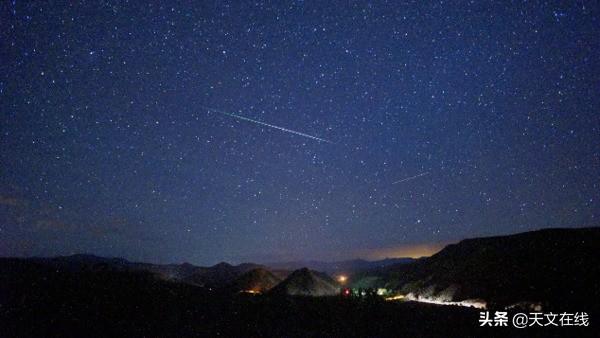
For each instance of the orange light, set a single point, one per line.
(342, 279)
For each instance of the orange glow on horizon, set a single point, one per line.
(410, 250)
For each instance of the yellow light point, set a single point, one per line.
(342, 279)
(397, 297)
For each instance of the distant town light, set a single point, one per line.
(396, 297)
(474, 303)
(342, 279)
(382, 292)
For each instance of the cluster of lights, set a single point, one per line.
(473, 303)
(478, 304)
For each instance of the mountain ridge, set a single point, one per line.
(549, 266)
(306, 282)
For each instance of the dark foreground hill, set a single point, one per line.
(39, 300)
(91, 296)
(555, 268)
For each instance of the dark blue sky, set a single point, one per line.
(106, 146)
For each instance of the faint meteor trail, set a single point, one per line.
(266, 124)
(411, 178)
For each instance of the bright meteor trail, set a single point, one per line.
(268, 125)
(411, 178)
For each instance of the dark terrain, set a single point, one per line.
(257, 280)
(90, 296)
(305, 282)
(557, 268)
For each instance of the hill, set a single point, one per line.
(37, 300)
(549, 267)
(305, 282)
(258, 280)
(218, 275)
(214, 276)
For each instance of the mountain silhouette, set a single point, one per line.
(256, 280)
(218, 275)
(546, 267)
(305, 282)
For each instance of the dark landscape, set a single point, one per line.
(77, 295)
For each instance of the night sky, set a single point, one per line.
(439, 121)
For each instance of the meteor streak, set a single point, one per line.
(243, 118)
(411, 178)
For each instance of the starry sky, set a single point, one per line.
(122, 131)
